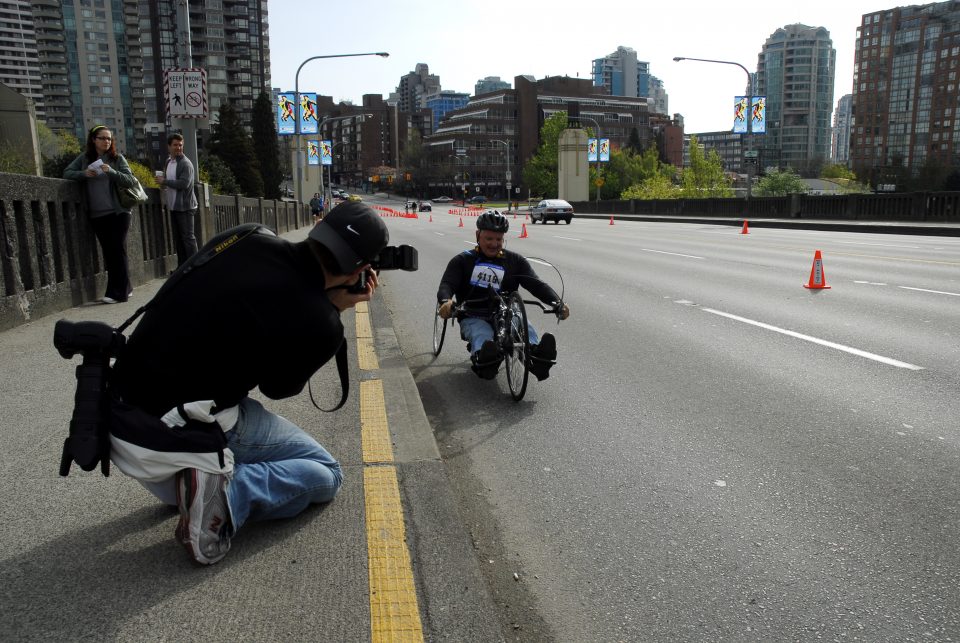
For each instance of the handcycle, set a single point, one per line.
(511, 334)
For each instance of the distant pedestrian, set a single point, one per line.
(180, 198)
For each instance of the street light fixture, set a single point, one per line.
(296, 85)
(746, 143)
(597, 125)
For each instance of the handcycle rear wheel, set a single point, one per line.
(439, 330)
(517, 354)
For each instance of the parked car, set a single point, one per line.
(425, 206)
(477, 199)
(442, 199)
(551, 209)
(354, 197)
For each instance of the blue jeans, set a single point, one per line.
(476, 331)
(279, 470)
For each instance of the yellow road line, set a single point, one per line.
(366, 355)
(394, 611)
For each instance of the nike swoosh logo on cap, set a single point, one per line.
(350, 228)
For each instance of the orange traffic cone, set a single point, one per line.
(611, 219)
(431, 219)
(523, 232)
(746, 228)
(514, 216)
(461, 223)
(818, 280)
(526, 217)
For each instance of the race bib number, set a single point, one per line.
(486, 275)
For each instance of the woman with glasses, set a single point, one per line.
(100, 168)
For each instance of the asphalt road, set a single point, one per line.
(720, 454)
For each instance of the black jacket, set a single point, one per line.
(256, 315)
(469, 274)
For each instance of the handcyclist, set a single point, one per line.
(470, 273)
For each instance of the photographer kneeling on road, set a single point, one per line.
(264, 313)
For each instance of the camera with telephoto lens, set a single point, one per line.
(390, 258)
(89, 441)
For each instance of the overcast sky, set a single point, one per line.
(465, 40)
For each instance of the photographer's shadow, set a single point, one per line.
(89, 583)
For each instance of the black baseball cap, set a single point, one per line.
(353, 233)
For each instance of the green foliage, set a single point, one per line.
(781, 183)
(230, 141)
(57, 149)
(217, 173)
(267, 145)
(143, 174)
(541, 171)
(633, 143)
(704, 178)
(659, 186)
(837, 171)
(14, 160)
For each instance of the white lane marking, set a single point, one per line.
(870, 283)
(440, 234)
(675, 254)
(816, 340)
(567, 238)
(938, 292)
(885, 245)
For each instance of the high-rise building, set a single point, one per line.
(56, 109)
(415, 87)
(19, 58)
(795, 71)
(489, 84)
(840, 148)
(445, 101)
(905, 90)
(623, 75)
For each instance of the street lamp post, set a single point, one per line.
(746, 145)
(296, 85)
(597, 125)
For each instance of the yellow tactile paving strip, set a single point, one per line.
(374, 433)
(366, 355)
(394, 612)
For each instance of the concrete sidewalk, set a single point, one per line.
(88, 557)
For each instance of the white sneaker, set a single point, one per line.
(205, 527)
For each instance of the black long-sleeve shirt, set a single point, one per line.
(255, 315)
(470, 273)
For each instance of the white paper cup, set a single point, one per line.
(158, 174)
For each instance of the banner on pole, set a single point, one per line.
(286, 120)
(604, 150)
(759, 115)
(313, 153)
(326, 153)
(308, 113)
(591, 150)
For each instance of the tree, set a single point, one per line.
(14, 161)
(215, 172)
(267, 146)
(633, 143)
(781, 183)
(837, 171)
(541, 171)
(57, 149)
(655, 187)
(704, 178)
(230, 141)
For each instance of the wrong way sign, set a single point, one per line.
(185, 92)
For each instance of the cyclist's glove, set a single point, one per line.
(446, 308)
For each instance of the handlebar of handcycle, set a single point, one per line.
(460, 308)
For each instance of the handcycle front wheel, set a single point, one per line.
(439, 330)
(517, 355)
